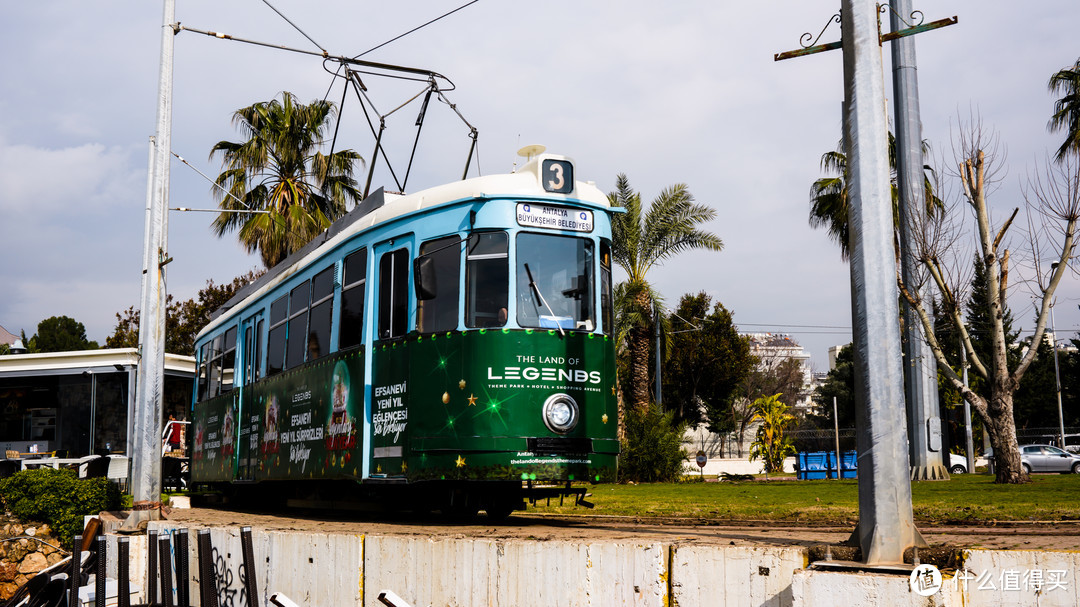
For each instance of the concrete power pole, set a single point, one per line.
(886, 523)
(146, 427)
(920, 368)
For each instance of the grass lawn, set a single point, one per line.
(967, 498)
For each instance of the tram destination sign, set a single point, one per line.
(532, 215)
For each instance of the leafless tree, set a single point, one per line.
(1052, 197)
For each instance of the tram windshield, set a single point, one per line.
(555, 282)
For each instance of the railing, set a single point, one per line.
(173, 425)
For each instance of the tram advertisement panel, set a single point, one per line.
(213, 439)
(478, 405)
(311, 420)
(390, 407)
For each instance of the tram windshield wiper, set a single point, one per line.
(540, 298)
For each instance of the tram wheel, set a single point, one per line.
(460, 506)
(499, 510)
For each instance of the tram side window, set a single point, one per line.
(256, 360)
(249, 355)
(393, 293)
(487, 270)
(296, 344)
(440, 313)
(607, 303)
(228, 361)
(275, 349)
(352, 300)
(322, 311)
(215, 366)
(204, 366)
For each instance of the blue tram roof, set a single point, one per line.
(381, 207)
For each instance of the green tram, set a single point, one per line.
(449, 349)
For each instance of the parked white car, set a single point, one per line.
(958, 463)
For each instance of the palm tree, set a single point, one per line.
(828, 195)
(828, 200)
(772, 444)
(641, 239)
(1067, 109)
(280, 169)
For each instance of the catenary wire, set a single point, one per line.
(414, 29)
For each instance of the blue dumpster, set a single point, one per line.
(812, 465)
(822, 464)
(849, 464)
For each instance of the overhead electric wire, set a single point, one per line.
(414, 29)
(351, 76)
(289, 21)
(213, 183)
(424, 75)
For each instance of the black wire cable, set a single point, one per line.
(289, 21)
(414, 29)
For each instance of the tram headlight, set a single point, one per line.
(560, 413)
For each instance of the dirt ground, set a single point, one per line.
(532, 526)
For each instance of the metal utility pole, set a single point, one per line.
(146, 428)
(920, 369)
(1057, 377)
(836, 428)
(886, 523)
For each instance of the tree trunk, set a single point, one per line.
(640, 339)
(1008, 468)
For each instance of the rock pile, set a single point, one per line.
(25, 549)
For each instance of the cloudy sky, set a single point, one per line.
(665, 92)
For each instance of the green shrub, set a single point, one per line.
(652, 449)
(58, 498)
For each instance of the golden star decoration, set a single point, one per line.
(613, 390)
(404, 467)
(604, 418)
(461, 385)
(460, 463)
(378, 469)
(472, 400)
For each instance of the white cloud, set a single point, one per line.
(43, 184)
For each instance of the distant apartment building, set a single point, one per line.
(834, 351)
(771, 349)
(774, 348)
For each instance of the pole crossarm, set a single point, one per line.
(882, 38)
(918, 29)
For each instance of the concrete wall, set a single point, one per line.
(734, 575)
(335, 570)
(1020, 577)
(813, 588)
(986, 578)
(716, 466)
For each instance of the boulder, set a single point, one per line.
(32, 563)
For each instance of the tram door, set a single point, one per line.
(390, 365)
(253, 329)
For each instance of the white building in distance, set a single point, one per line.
(774, 348)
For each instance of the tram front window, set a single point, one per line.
(486, 280)
(554, 282)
